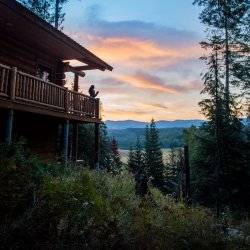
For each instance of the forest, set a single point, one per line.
(168, 137)
(197, 198)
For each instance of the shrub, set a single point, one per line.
(50, 206)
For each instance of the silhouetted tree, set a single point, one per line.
(137, 167)
(136, 161)
(228, 20)
(105, 150)
(174, 173)
(153, 156)
(218, 157)
(116, 164)
(49, 10)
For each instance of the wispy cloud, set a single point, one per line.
(150, 61)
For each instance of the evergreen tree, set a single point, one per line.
(116, 164)
(174, 173)
(105, 151)
(153, 156)
(218, 155)
(135, 161)
(229, 20)
(49, 10)
(131, 161)
(86, 146)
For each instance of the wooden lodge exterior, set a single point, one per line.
(34, 103)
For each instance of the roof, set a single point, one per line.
(30, 29)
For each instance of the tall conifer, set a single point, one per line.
(49, 10)
(153, 155)
(228, 19)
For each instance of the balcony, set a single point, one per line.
(25, 92)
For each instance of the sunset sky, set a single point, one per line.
(153, 46)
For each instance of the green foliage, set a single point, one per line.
(75, 208)
(136, 161)
(46, 9)
(109, 155)
(228, 20)
(174, 173)
(153, 155)
(234, 173)
(86, 144)
(105, 152)
(218, 150)
(115, 163)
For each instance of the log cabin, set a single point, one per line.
(34, 102)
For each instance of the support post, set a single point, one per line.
(97, 108)
(75, 141)
(97, 146)
(187, 175)
(76, 82)
(12, 88)
(65, 147)
(75, 124)
(66, 100)
(9, 127)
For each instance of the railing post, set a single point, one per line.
(66, 100)
(12, 88)
(97, 108)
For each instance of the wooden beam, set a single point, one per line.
(68, 68)
(76, 82)
(91, 63)
(88, 67)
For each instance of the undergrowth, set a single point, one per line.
(51, 206)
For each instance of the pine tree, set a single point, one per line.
(49, 10)
(105, 151)
(228, 19)
(212, 108)
(135, 161)
(218, 160)
(86, 146)
(174, 173)
(137, 168)
(116, 164)
(153, 156)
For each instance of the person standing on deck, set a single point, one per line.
(92, 92)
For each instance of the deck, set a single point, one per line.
(21, 91)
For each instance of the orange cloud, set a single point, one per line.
(123, 91)
(142, 115)
(130, 49)
(141, 82)
(132, 52)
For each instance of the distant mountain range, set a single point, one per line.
(160, 124)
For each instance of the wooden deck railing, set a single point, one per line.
(4, 79)
(29, 89)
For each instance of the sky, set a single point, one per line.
(153, 46)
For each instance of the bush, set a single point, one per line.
(50, 206)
